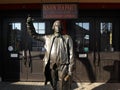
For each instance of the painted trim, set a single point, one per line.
(80, 6)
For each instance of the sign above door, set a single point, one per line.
(60, 11)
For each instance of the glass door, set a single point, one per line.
(13, 33)
(94, 35)
(96, 46)
(82, 37)
(23, 56)
(106, 35)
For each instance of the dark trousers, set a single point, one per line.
(54, 78)
(59, 83)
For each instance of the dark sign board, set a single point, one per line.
(60, 11)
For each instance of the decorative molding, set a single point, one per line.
(56, 1)
(35, 6)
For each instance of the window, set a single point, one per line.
(16, 26)
(106, 36)
(15, 36)
(84, 25)
(105, 27)
(39, 27)
(82, 36)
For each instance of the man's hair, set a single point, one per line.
(53, 27)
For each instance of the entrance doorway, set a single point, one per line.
(94, 39)
(95, 33)
(96, 47)
(23, 55)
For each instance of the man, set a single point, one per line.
(58, 59)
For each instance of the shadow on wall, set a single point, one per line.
(114, 72)
(83, 68)
(114, 82)
(89, 69)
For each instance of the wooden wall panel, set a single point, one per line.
(34, 6)
(58, 1)
(107, 71)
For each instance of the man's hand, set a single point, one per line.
(29, 19)
(29, 23)
(66, 78)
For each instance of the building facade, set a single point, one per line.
(93, 26)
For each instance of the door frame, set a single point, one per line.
(97, 59)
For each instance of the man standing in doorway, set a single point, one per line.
(59, 58)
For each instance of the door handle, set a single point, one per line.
(30, 62)
(24, 57)
(28, 58)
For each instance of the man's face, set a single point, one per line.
(57, 27)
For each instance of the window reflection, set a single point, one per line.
(16, 26)
(106, 36)
(82, 36)
(106, 27)
(15, 36)
(84, 25)
(40, 29)
(37, 45)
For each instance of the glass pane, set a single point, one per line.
(39, 27)
(82, 37)
(37, 45)
(15, 36)
(16, 26)
(106, 36)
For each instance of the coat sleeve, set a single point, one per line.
(31, 30)
(71, 56)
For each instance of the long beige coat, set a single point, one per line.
(48, 39)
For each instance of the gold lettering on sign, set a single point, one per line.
(59, 7)
(60, 11)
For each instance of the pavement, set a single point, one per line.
(75, 86)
